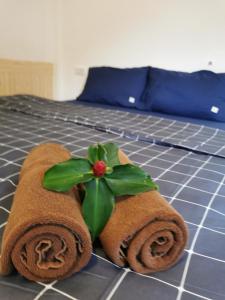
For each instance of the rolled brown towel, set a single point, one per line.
(144, 231)
(45, 237)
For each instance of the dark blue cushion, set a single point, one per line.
(197, 95)
(121, 87)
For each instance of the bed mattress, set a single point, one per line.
(213, 124)
(186, 160)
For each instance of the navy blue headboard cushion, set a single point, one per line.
(198, 95)
(115, 86)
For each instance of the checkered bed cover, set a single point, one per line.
(193, 183)
(131, 125)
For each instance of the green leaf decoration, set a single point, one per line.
(97, 206)
(112, 158)
(107, 152)
(96, 153)
(93, 153)
(129, 180)
(102, 154)
(98, 183)
(63, 176)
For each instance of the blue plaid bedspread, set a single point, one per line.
(186, 161)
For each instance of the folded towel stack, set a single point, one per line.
(46, 237)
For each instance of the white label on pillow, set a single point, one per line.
(215, 109)
(131, 99)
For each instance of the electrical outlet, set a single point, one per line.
(79, 71)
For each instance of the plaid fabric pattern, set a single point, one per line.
(193, 183)
(135, 126)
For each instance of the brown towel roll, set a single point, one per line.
(144, 232)
(45, 237)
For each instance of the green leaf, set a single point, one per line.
(93, 153)
(97, 152)
(97, 206)
(129, 180)
(107, 152)
(63, 176)
(102, 152)
(112, 158)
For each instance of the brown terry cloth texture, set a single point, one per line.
(45, 237)
(144, 232)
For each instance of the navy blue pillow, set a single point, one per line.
(198, 95)
(120, 87)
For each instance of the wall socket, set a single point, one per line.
(80, 71)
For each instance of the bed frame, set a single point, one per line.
(26, 77)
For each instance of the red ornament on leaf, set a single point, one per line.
(99, 168)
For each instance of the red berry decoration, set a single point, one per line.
(99, 168)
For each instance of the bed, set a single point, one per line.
(22, 77)
(186, 159)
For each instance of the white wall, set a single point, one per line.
(173, 34)
(28, 30)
